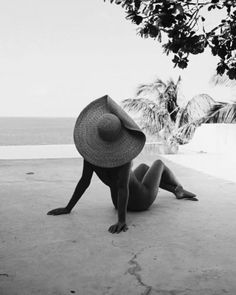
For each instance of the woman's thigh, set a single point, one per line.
(140, 199)
(143, 194)
(153, 176)
(140, 171)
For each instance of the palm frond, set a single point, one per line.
(184, 134)
(198, 107)
(171, 84)
(179, 80)
(159, 83)
(219, 113)
(137, 104)
(149, 129)
(142, 88)
(152, 117)
(154, 87)
(222, 113)
(155, 118)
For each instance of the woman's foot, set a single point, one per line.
(181, 193)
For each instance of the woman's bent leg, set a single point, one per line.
(159, 175)
(170, 183)
(152, 178)
(140, 171)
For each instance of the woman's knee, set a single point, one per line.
(159, 163)
(143, 166)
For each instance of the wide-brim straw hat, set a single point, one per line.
(106, 136)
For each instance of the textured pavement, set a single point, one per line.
(177, 247)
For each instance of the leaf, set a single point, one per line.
(232, 73)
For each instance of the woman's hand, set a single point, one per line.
(59, 211)
(118, 227)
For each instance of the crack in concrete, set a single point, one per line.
(134, 271)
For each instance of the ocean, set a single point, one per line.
(36, 131)
(37, 138)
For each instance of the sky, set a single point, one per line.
(56, 56)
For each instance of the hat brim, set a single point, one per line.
(102, 153)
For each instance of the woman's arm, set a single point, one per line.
(123, 197)
(79, 190)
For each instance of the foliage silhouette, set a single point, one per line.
(180, 27)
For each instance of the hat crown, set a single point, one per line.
(109, 127)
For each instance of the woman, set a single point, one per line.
(108, 139)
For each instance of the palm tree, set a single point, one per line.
(160, 115)
(156, 105)
(163, 94)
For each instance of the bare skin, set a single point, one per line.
(130, 190)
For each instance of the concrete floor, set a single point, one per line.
(175, 248)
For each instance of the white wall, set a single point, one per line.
(214, 138)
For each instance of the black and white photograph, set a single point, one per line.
(117, 147)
